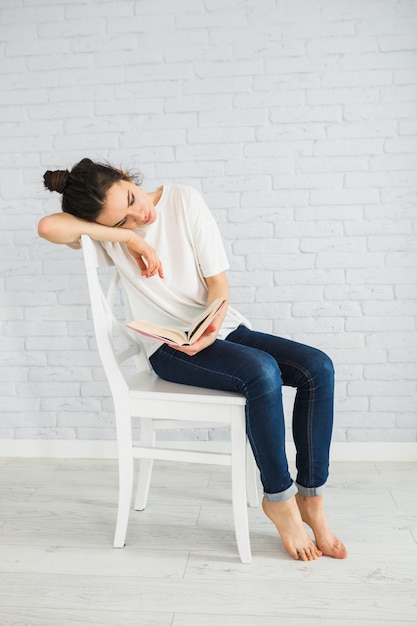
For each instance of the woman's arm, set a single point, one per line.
(64, 228)
(218, 287)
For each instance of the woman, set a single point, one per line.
(171, 257)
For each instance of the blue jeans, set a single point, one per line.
(258, 365)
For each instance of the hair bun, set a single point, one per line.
(56, 181)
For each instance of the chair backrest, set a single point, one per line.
(95, 255)
(114, 341)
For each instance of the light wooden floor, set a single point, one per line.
(180, 566)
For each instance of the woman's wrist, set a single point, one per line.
(99, 232)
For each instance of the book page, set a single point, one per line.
(168, 335)
(175, 336)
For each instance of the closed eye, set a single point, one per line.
(123, 221)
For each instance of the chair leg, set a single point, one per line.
(240, 509)
(251, 477)
(147, 437)
(144, 483)
(126, 473)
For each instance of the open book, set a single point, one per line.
(175, 336)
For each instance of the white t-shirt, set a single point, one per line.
(188, 242)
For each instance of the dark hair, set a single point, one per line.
(84, 188)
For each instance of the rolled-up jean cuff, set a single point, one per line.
(310, 491)
(281, 496)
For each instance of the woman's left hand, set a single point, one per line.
(217, 288)
(206, 339)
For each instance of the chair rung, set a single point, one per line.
(190, 456)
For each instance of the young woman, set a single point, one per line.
(168, 249)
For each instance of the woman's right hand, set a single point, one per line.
(145, 256)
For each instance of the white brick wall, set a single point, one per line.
(295, 118)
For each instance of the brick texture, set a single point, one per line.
(295, 118)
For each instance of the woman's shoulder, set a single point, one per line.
(181, 191)
(182, 200)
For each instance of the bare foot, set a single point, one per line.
(312, 513)
(287, 519)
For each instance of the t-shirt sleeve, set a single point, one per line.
(208, 241)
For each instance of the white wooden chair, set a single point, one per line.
(168, 405)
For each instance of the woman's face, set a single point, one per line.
(127, 206)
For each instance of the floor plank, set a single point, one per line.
(369, 601)
(290, 620)
(18, 616)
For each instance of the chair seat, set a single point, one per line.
(155, 398)
(149, 385)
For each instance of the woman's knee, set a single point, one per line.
(265, 374)
(322, 366)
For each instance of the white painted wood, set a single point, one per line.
(180, 567)
(396, 452)
(260, 620)
(17, 616)
(225, 597)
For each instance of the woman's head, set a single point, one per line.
(85, 187)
